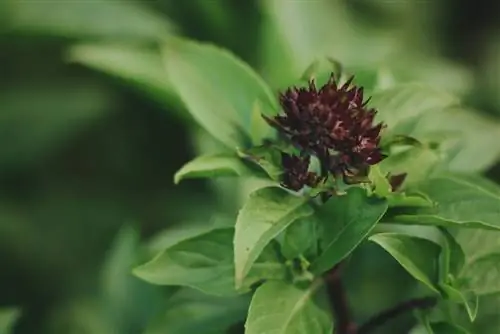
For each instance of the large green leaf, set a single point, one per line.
(483, 274)
(140, 67)
(452, 257)
(281, 308)
(418, 256)
(460, 203)
(190, 311)
(468, 298)
(401, 105)
(87, 19)
(7, 319)
(346, 221)
(219, 90)
(206, 263)
(300, 239)
(209, 166)
(267, 212)
(471, 134)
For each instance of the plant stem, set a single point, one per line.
(386, 315)
(338, 299)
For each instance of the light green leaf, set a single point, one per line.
(87, 19)
(418, 256)
(452, 257)
(460, 203)
(417, 162)
(482, 275)
(190, 311)
(210, 166)
(401, 105)
(219, 90)
(142, 68)
(468, 298)
(267, 212)
(8, 317)
(281, 308)
(409, 200)
(471, 134)
(206, 263)
(267, 158)
(346, 221)
(380, 182)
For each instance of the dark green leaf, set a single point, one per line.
(219, 90)
(190, 311)
(206, 263)
(460, 203)
(300, 239)
(447, 328)
(281, 308)
(267, 212)
(346, 221)
(210, 166)
(140, 67)
(418, 256)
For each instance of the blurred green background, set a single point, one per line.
(91, 135)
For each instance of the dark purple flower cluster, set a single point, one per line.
(332, 123)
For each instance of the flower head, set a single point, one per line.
(333, 123)
(296, 172)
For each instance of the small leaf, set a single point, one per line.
(482, 275)
(281, 308)
(266, 157)
(267, 212)
(300, 238)
(346, 221)
(218, 89)
(380, 182)
(468, 298)
(460, 203)
(206, 263)
(190, 311)
(8, 317)
(209, 166)
(418, 256)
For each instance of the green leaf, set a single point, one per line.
(346, 221)
(468, 298)
(471, 136)
(267, 158)
(210, 166)
(267, 212)
(206, 263)
(8, 317)
(190, 311)
(380, 182)
(482, 275)
(141, 68)
(300, 239)
(409, 200)
(399, 106)
(452, 257)
(132, 21)
(447, 328)
(219, 90)
(418, 256)
(460, 203)
(281, 308)
(417, 162)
